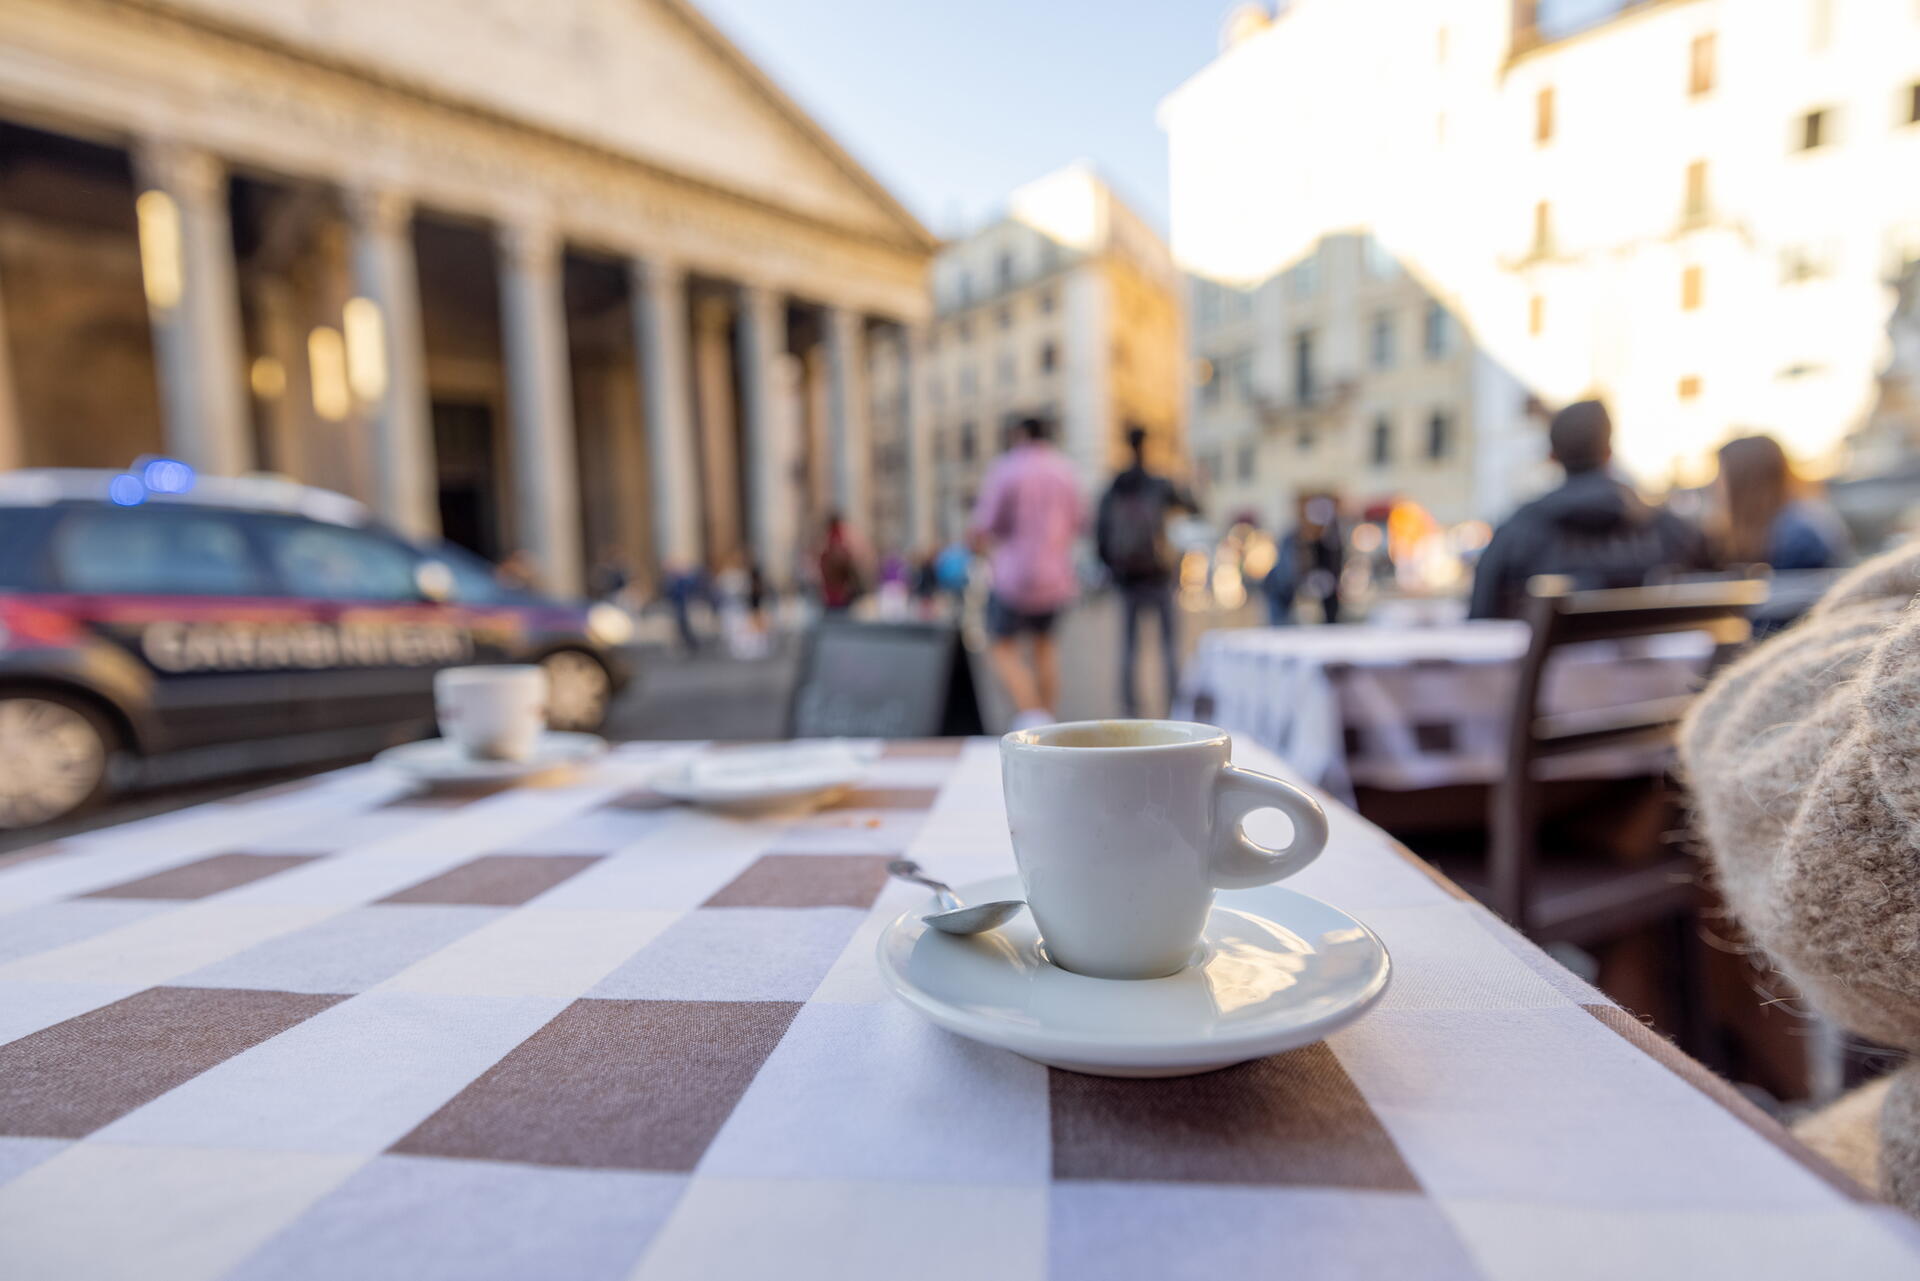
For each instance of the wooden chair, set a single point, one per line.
(1585, 900)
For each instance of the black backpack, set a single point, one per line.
(1132, 532)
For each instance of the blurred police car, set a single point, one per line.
(156, 628)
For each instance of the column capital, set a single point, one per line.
(656, 271)
(191, 175)
(529, 247)
(379, 210)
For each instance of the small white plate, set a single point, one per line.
(1277, 970)
(751, 780)
(439, 761)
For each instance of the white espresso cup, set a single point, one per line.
(492, 713)
(1123, 830)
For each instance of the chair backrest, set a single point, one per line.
(1560, 617)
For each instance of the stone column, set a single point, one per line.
(540, 405)
(660, 336)
(282, 410)
(406, 489)
(719, 440)
(13, 438)
(196, 325)
(917, 428)
(771, 447)
(848, 444)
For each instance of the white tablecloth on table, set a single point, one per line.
(1412, 707)
(567, 1032)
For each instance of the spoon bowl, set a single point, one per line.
(954, 916)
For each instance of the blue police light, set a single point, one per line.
(126, 491)
(167, 476)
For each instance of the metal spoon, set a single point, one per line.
(956, 918)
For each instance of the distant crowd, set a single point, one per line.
(1593, 531)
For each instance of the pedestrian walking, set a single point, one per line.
(1029, 513)
(1130, 534)
(841, 583)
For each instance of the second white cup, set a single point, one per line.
(492, 713)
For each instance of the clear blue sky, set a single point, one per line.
(953, 104)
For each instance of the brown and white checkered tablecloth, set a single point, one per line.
(330, 1031)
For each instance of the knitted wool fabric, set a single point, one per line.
(1804, 760)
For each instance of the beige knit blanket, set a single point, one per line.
(1804, 760)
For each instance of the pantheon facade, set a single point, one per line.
(573, 278)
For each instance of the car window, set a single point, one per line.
(156, 550)
(473, 580)
(333, 561)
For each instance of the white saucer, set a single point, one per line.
(439, 761)
(1279, 970)
(754, 780)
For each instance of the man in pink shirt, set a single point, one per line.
(1030, 512)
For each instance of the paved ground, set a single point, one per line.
(711, 696)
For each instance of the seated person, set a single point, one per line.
(1804, 759)
(1593, 529)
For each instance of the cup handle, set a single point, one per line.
(1240, 863)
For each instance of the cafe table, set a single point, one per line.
(1406, 707)
(338, 1029)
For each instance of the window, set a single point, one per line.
(1382, 450)
(1046, 302)
(1003, 270)
(1304, 442)
(1439, 434)
(1690, 387)
(1542, 227)
(1303, 366)
(1049, 357)
(1536, 315)
(966, 330)
(1211, 381)
(1209, 467)
(1692, 288)
(966, 290)
(968, 445)
(1004, 317)
(968, 381)
(1815, 130)
(1383, 340)
(154, 550)
(1543, 116)
(331, 561)
(1700, 65)
(473, 578)
(1005, 368)
(1697, 190)
(1243, 460)
(1437, 329)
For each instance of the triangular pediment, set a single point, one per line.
(651, 79)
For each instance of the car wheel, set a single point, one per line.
(579, 690)
(54, 753)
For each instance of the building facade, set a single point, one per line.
(1068, 308)
(1692, 208)
(575, 279)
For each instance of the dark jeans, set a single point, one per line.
(1135, 599)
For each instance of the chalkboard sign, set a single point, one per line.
(884, 680)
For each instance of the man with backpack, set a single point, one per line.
(1131, 535)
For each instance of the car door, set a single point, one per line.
(373, 669)
(180, 591)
